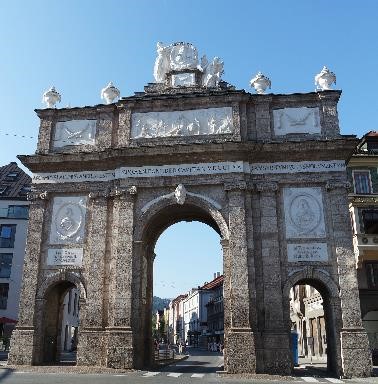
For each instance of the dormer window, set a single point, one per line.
(3, 190)
(12, 176)
(362, 182)
(24, 191)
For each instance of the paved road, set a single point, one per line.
(199, 368)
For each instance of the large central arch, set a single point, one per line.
(150, 226)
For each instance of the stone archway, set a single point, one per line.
(329, 291)
(150, 226)
(50, 310)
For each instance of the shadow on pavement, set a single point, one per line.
(5, 372)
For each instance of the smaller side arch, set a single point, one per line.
(59, 277)
(313, 274)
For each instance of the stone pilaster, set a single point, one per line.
(120, 352)
(330, 120)
(95, 268)
(276, 336)
(355, 352)
(106, 121)
(239, 340)
(23, 342)
(124, 126)
(47, 117)
(262, 112)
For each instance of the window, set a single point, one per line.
(7, 235)
(4, 288)
(5, 264)
(362, 183)
(12, 176)
(372, 274)
(370, 221)
(3, 189)
(18, 211)
(24, 191)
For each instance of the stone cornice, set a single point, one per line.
(317, 150)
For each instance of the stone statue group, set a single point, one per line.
(184, 56)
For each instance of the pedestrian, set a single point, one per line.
(180, 348)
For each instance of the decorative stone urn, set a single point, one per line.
(325, 79)
(51, 97)
(260, 82)
(110, 93)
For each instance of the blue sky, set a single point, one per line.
(79, 46)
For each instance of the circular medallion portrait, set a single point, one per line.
(305, 213)
(68, 220)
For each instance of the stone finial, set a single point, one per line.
(325, 79)
(110, 93)
(51, 97)
(260, 82)
(180, 194)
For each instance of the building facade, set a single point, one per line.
(195, 316)
(267, 172)
(215, 310)
(363, 205)
(308, 322)
(14, 213)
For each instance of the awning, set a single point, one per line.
(7, 320)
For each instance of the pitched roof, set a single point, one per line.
(14, 182)
(214, 283)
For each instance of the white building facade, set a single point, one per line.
(14, 211)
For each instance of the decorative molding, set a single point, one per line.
(180, 194)
(220, 168)
(31, 196)
(207, 121)
(338, 184)
(99, 194)
(267, 186)
(235, 185)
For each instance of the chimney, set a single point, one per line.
(215, 275)
(218, 274)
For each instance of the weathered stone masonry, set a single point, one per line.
(265, 193)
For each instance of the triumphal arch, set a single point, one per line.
(266, 171)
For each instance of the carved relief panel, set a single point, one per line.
(209, 121)
(304, 217)
(68, 220)
(74, 132)
(296, 120)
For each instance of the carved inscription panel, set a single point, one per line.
(296, 120)
(304, 217)
(68, 220)
(210, 121)
(65, 256)
(307, 252)
(74, 132)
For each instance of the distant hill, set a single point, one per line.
(158, 303)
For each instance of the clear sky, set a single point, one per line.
(79, 46)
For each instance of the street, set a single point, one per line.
(200, 367)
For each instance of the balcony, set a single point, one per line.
(367, 241)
